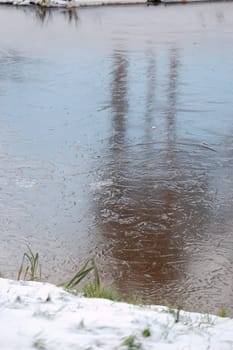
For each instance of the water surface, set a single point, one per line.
(116, 141)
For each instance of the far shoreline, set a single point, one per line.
(69, 4)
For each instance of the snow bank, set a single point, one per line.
(37, 315)
(72, 3)
(77, 3)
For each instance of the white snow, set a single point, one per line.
(36, 315)
(71, 3)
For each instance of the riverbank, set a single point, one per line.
(72, 3)
(84, 3)
(38, 315)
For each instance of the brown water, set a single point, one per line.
(116, 141)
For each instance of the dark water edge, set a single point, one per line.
(116, 141)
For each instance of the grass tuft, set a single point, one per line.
(223, 312)
(89, 266)
(92, 290)
(146, 333)
(135, 300)
(30, 267)
(131, 343)
(39, 343)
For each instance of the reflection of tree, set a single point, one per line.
(119, 98)
(172, 97)
(150, 95)
(133, 217)
(71, 15)
(44, 14)
(220, 18)
(156, 202)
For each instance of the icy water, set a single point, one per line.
(116, 141)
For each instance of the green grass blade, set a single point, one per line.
(78, 278)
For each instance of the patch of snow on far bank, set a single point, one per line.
(71, 3)
(77, 3)
(37, 315)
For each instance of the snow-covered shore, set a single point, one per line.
(80, 3)
(37, 315)
(71, 3)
